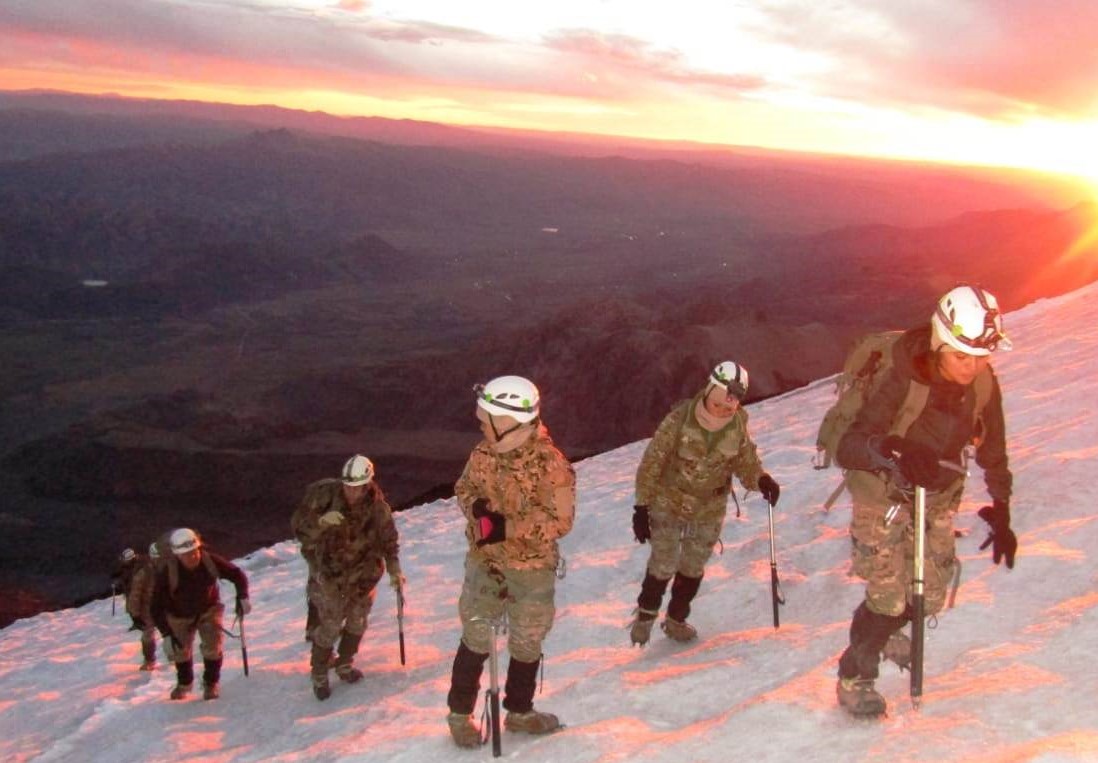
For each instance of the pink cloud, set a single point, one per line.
(354, 6)
(988, 58)
(628, 57)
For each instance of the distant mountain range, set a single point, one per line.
(206, 306)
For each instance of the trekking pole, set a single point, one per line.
(114, 594)
(243, 642)
(918, 604)
(400, 620)
(776, 595)
(493, 692)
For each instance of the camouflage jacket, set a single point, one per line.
(687, 470)
(534, 487)
(354, 552)
(139, 597)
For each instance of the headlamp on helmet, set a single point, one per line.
(732, 377)
(512, 396)
(968, 320)
(357, 471)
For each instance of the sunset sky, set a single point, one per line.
(1008, 82)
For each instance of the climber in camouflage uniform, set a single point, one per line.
(349, 539)
(962, 405)
(682, 491)
(134, 577)
(518, 496)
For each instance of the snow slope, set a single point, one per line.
(1010, 672)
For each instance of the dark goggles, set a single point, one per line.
(736, 391)
(735, 388)
(481, 394)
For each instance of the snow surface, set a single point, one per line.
(1010, 672)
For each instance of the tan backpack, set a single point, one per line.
(864, 370)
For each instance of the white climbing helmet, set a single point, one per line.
(357, 471)
(154, 552)
(511, 396)
(732, 376)
(127, 555)
(968, 320)
(183, 541)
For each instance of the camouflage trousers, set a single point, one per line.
(883, 555)
(680, 545)
(525, 595)
(339, 608)
(207, 626)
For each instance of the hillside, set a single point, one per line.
(197, 322)
(1007, 672)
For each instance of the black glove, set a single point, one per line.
(642, 528)
(138, 624)
(1003, 541)
(917, 462)
(769, 489)
(491, 525)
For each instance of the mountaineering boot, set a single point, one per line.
(648, 607)
(321, 688)
(318, 672)
(641, 629)
(348, 673)
(463, 731)
(148, 653)
(532, 722)
(211, 678)
(898, 650)
(678, 630)
(683, 591)
(651, 595)
(859, 664)
(179, 691)
(465, 680)
(518, 700)
(869, 633)
(348, 647)
(858, 697)
(184, 679)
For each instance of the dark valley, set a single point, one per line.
(203, 311)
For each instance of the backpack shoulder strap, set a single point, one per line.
(210, 566)
(173, 573)
(913, 405)
(982, 387)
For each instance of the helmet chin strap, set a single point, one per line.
(500, 435)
